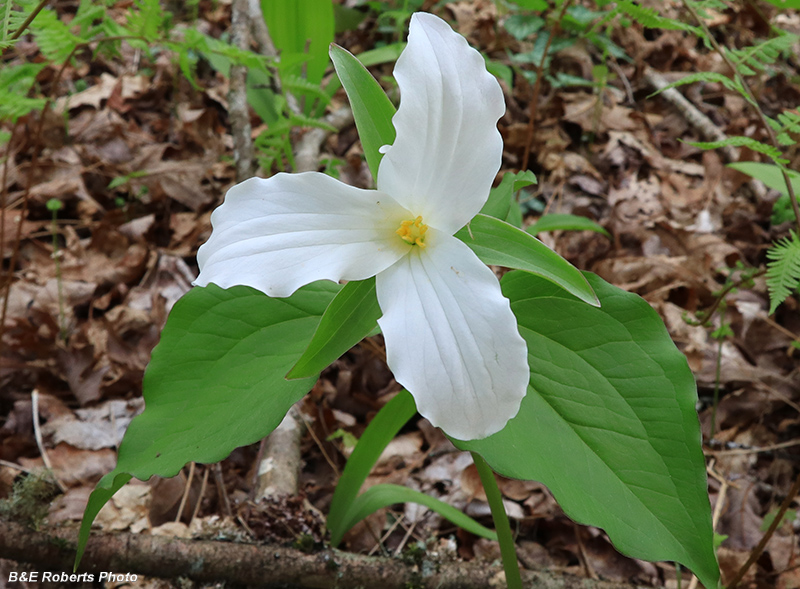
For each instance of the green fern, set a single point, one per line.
(708, 78)
(5, 19)
(783, 270)
(15, 84)
(788, 123)
(54, 38)
(146, 19)
(650, 18)
(751, 60)
(739, 141)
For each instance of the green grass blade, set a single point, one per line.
(378, 434)
(381, 496)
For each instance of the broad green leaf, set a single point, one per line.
(609, 422)
(300, 27)
(215, 381)
(383, 427)
(556, 222)
(350, 317)
(372, 109)
(500, 244)
(769, 174)
(502, 200)
(385, 495)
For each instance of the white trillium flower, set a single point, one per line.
(451, 338)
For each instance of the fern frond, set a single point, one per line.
(296, 84)
(15, 84)
(297, 120)
(145, 18)
(789, 122)
(651, 19)
(783, 270)
(54, 38)
(5, 19)
(739, 141)
(707, 77)
(751, 60)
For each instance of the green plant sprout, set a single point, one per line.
(550, 374)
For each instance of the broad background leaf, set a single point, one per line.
(215, 382)
(609, 422)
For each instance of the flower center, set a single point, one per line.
(413, 231)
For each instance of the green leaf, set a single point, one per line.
(502, 200)
(556, 222)
(383, 427)
(785, 3)
(783, 270)
(372, 109)
(609, 422)
(385, 495)
(350, 317)
(769, 174)
(500, 244)
(221, 361)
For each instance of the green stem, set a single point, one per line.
(501, 524)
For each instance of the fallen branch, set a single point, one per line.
(256, 565)
(700, 122)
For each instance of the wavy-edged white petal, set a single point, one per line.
(448, 149)
(451, 338)
(281, 233)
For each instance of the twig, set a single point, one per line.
(15, 466)
(37, 433)
(203, 486)
(773, 139)
(538, 84)
(257, 565)
(756, 553)
(222, 494)
(186, 489)
(238, 108)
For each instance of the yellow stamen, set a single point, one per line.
(413, 232)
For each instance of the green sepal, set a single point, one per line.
(351, 316)
(500, 244)
(372, 109)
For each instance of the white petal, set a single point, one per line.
(448, 149)
(451, 338)
(281, 233)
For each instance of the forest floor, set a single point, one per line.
(682, 226)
